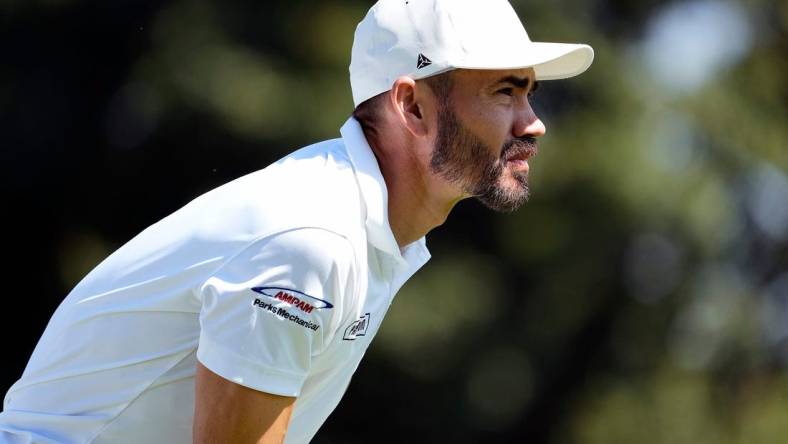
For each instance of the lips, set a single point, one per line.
(520, 150)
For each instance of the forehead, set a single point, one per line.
(476, 79)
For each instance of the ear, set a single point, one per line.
(406, 100)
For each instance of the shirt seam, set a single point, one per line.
(196, 288)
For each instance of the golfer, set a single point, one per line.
(241, 317)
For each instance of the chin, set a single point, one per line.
(506, 199)
(513, 182)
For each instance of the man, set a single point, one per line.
(242, 316)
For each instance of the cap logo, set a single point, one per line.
(423, 62)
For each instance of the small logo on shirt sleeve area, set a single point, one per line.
(301, 302)
(357, 329)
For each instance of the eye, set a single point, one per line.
(506, 91)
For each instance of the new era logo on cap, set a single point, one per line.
(423, 62)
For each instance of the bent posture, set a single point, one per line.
(241, 317)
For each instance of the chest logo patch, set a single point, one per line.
(357, 329)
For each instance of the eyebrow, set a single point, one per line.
(520, 82)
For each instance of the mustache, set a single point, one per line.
(519, 147)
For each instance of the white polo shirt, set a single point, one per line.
(277, 281)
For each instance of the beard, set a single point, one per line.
(463, 158)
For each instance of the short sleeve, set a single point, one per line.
(269, 310)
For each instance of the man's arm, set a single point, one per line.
(228, 412)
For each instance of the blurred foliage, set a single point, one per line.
(640, 297)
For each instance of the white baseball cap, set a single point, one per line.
(421, 38)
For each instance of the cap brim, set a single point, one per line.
(550, 61)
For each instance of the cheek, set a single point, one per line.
(493, 125)
(489, 118)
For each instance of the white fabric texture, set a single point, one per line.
(277, 281)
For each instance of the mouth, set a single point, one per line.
(517, 157)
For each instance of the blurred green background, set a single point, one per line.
(640, 297)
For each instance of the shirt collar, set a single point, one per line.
(375, 196)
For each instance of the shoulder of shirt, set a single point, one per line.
(313, 248)
(314, 187)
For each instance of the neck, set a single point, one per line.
(413, 206)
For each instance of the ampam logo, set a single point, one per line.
(302, 301)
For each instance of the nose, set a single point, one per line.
(527, 124)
